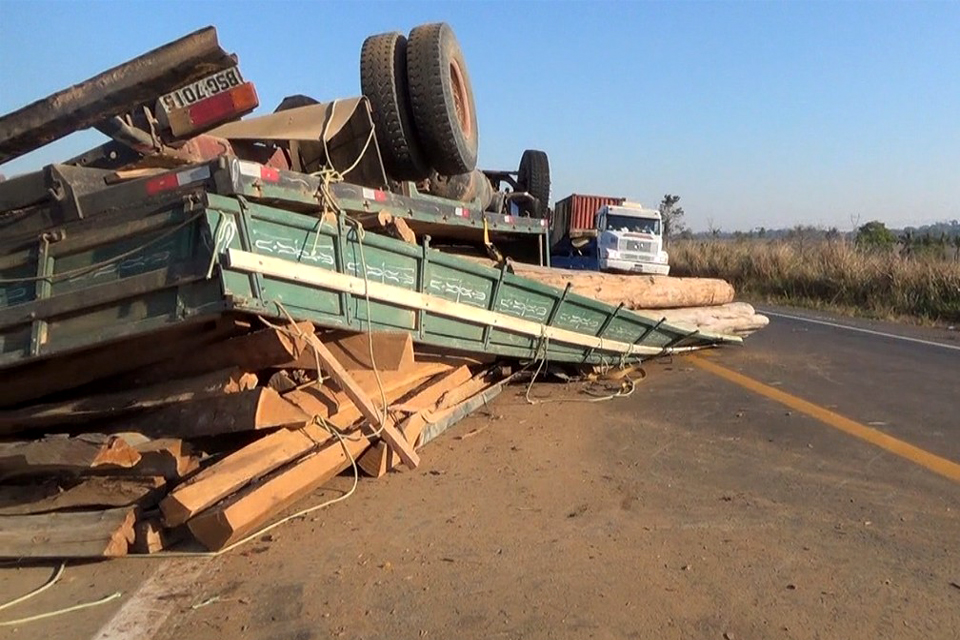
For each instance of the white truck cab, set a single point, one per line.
(630, 240)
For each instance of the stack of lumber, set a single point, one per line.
(213, 444)
(698, 303)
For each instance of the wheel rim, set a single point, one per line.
(461, 100)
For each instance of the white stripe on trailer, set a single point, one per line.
(298, 272)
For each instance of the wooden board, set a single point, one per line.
(150, 536)
(236, 470)
(62, 453)
(380, 423)
(171, 458)
(241, 515)
(259, 408)
(254, 351)
(90, 493)
(379, 459)
(392, 351)
(118, 404)
(81, 534)
(434, 390)
(338, 409)
(39, 379)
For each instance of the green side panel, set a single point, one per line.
(12, 291)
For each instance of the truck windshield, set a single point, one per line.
(636, 225)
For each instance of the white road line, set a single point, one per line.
(861, 330)
(145, 612)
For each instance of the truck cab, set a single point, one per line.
(630, 240)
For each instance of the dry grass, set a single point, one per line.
(827, 274)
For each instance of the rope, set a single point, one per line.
(58, 612)
(52, 581)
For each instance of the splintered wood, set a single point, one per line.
(216, 440)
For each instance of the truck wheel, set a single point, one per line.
(442, 99)
(533, 176)
(383, 80)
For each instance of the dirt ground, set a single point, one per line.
(689, 510)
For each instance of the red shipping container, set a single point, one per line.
(576, 213)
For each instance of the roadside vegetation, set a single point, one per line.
(872, 272)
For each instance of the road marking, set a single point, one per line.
(942, 466)
(147, 609)
(848, 327)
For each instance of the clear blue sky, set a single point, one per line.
(755, 113)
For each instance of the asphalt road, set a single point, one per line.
(798, 487)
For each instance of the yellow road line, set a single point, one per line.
(935, 463)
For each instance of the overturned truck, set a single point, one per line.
(169, 229)
(209, 316)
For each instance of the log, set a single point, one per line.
(634, 291)
(92, 492)
(238, 469)
(125, 402)
(79, 534)
(242, 514)
(259, 408)
(735, 318)
(60, 453)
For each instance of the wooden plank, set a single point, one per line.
(118, 404)
(432, 393)
(236, 470)
(254, 351)
(60, 453)
(338, 409)
(375, 462)
(259, 408)
(38, 379)
(381, 424)
(150, 536)
(77, 534)
(171, 458)
(380, 459)
(241, 515)
(91, 493)
(392, 351)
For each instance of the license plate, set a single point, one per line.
(201, 89)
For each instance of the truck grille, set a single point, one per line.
(636, 246)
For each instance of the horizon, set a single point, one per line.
(821, 113)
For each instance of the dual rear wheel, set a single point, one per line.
(422, 102)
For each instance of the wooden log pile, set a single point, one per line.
(697, 303)
(211, 444)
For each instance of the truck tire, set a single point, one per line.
(383, 80)
(442, 99)
(533, 176)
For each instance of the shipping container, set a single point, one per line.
(576, 213)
